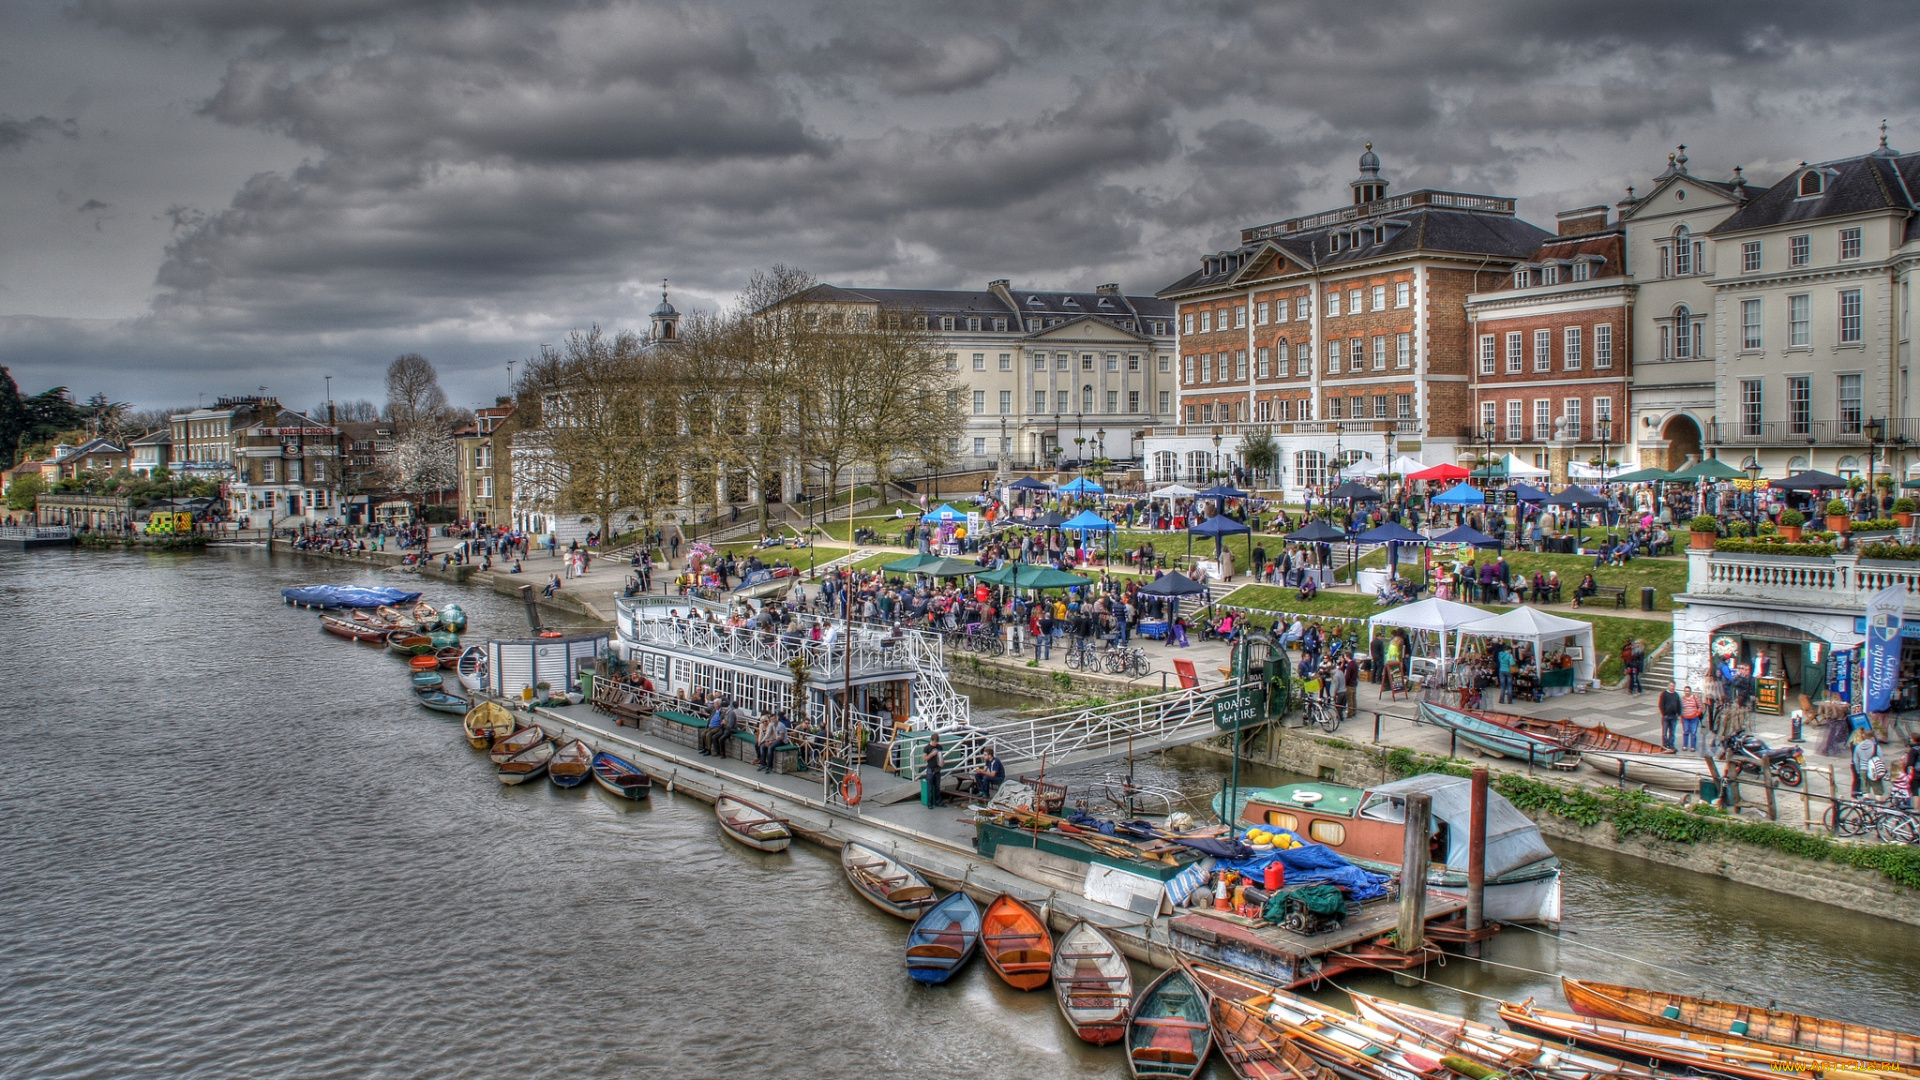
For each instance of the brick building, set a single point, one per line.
(1551, 365)
(1342, 334)
(485, 450)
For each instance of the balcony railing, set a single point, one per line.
(1838, 581)
(1406, 426)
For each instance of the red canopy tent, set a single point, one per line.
(1442, 471)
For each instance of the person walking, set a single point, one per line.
(1506, 676)
(1869, 768)
(931, 763)
(1670, 706)
(1691, 709)
(1634, 658)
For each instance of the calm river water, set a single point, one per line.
(234, 849)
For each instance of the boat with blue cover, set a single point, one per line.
(943, 939)
(346, 596)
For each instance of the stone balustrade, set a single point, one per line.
(1839, 581)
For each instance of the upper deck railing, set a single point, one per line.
(875, 651)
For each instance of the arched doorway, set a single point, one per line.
(1774, 650)
(1682, 434)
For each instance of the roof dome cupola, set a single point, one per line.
(1370, 186)
(666, 321)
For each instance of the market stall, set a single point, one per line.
(1561, 650)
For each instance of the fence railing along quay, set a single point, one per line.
(1139, 725)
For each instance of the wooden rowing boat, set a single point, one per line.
(752, 825)
(515, 742)
(1502, 1051)
(1614, 754)
(1256, 1048)
(571, 764)
(1017, 943)
(887, 883)
(943, 939)
(486, 724)
(1093, 984)
(1753, 1023)
(429, 679)
(1168, 1030)
(527, 764)
(392, 616)
(440, 701)
(425, 617)
(1339, 1040)
(620, 776)
(448, 658)
(407, 643)
(353, 631)
(1487, 734)
(1696, 1052)
(472, 667)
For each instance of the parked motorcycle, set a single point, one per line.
(1749, 753)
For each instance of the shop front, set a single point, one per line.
(1785, 662)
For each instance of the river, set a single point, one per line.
(234, 848)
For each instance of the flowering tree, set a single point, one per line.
(423, 460)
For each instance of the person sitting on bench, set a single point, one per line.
(989, 776)
(1585, 589)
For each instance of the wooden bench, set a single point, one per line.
(1615, 593)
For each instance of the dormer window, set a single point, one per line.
(1070, 302)
(1333, 242)
(1550, 274)
(1034, 301)
(1582, 270)
(1105, 303)
(1812, 182)
(1520, 277)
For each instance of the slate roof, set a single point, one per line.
(1415, 230)
(1858, 185)
(1029, 303)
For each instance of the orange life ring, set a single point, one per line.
(850, 789)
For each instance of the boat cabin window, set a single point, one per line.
(1384, 808)
(1330, 833)
(1283, 820)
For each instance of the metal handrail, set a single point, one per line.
(1167, 718)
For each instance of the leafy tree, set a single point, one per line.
(13, 420)
(49, 414)
(423, 460)
(1260, 452)
(23, 490)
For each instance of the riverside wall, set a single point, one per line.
(1341, 761)
(562, 602)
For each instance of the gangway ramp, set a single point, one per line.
(1083, 736)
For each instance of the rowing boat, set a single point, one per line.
(571, 764)
(516, 742)
(1339, 1040)
(1093, 984)
(448, 658)
(1503, 1051)
(407, 643)
(620, 776)
(1017, 943)
(440, 701)
(392, 616)
(1256, 1048)
(1483, 732)
(1696, 1052)
(886, 883)
(752, 825)
(527, 764)
(424, 662)
(487, 723)
(1612, 753)
(425, 617)
(472, 667)
(1168, 1032)
(430, 679)
(1754, 1023)
(943, 939)
(444, 640)
(352, 630)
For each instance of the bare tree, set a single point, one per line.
(361, 410)
(414, 396)
(612, 425)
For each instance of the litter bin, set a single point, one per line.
(1646, 598)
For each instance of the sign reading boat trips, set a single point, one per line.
(1236, 710)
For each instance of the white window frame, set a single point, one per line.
(1800, 320)
(1800, 250)
(1602, 345)
(1850, 243)
(1379, 352)
(1749, 256)
(1542, 350)
(1753, 405)
(1403, 351)
(1516, 352)
(1489, 353)
(1571, 348)
(1379, 298)
(1751, 339)
(1852, 307)
(1402, 294)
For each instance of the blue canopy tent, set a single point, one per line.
(1082, 485)
(1527, 493)
(1218, 526)
(1087, 521)
(1028, 483)
(1461, 494)
(1221, 492)
(944, 512)
(1392, 534)
(1315, 532)
(1468, 535)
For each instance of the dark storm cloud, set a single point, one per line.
(487, 171)
(15, 134)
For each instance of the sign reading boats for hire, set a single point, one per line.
(1884, 611)
(1234, 711)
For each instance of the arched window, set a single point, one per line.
(1166, 465)
(1682, 251)
(1796, 465)
(1682, 333)
(1199, 463)
(1812, 182)
(1311, 467)
(1848, 466)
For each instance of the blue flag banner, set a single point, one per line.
(1840, 667)
(1885, 610)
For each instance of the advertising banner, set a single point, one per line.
(1885, 610)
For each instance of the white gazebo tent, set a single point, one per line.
(1539, 629)
(1173, 491)
(1520, 470)
(1434, 615)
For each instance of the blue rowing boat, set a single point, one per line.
(441, 701)
(943, 940)
(1497, 738)
(620, 776)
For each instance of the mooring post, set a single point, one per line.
(1476, 857)
(1412, 932)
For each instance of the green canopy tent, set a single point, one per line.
(908, 565)
(1709, 469)
(1028, 576)
(944, 568)
(1642, 476)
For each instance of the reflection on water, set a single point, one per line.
(233, 848)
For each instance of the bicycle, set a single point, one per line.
(1082, 656)
(1123, 660)
(986, 642)
(1324, 714)
(1858, 817)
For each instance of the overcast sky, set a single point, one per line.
(207, 196)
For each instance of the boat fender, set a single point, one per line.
(850, 789)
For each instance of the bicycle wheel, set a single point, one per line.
(1116, 662)
(1075, 660)
(996, 645)
(1138, 664)
(1898, 828)
(1329, 718)
(1854, 819)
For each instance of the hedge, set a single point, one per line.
(1894, 552)
(1772, 547)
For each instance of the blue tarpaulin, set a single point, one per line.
(1313, 862)
(346, 596)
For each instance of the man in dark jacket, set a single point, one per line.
(1669, 714)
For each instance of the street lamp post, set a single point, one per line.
(1216, 458)
(1003, 444)
(1753, 494)
(1876, 430)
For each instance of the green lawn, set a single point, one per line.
(1666, 575)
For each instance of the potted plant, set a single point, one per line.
(1790, 525)
(1903, 510)
(1705, 530)
(1837, 515)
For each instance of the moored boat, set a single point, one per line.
(430, 679)
(425, 616)
(571, 764)
(408, 643)
(352, 629)
(1168, 1030)
(423, 662)
(527, 764)
(620, 776)
(1256, 1048)
(1339, 1040)
(486, 723)
(472, 667)
(1753, 1023)
(1093, 984)
(516, 742)
(751, 824)
(1678, 1050)
(448, 658)
(1482, 731)
(440, 701)
(887, 883)
(943, 939)
(1016, 943)
(454, 618)
(392, 616)
(443, 640)
(1490, 1046)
